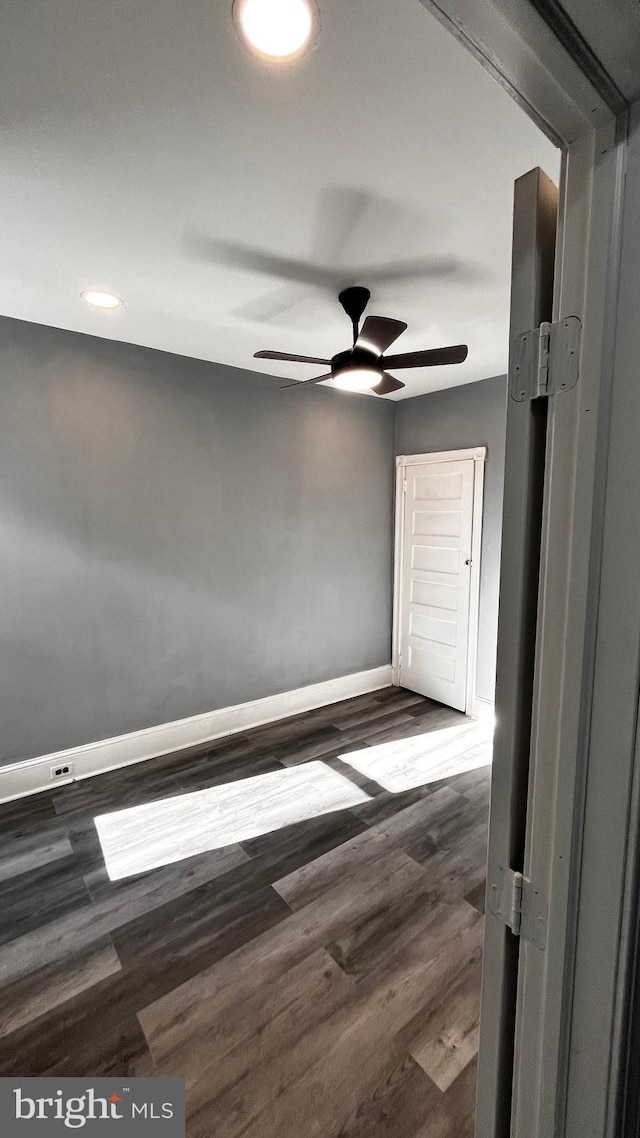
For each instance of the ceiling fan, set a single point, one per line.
(364, 365)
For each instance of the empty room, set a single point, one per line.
(250, 632)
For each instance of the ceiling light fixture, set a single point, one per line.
(276, 29)
(100, 299)
(357, 378)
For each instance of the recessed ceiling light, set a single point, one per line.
(277, 29)
(100, 299)
(357, 378)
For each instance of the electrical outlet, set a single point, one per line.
(65, 770)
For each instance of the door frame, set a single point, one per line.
(587, 652)
(473, 706)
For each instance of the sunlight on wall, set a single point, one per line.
(159, 833)
(437, 754)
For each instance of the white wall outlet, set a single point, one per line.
(65, 770)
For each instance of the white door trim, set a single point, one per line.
(478, 455)
(571, 994)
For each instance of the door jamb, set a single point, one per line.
(568, 1047)
(473, 706)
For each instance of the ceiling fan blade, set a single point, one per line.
(301, 382)
(378, 333)
(237, 256)
(289, 358)
(273, 307)
(432, 357)
(339, 213)
(429, 268)
(387, 384)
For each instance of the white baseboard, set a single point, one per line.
(482, 708)
(33, 775)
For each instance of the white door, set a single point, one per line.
(435, 575)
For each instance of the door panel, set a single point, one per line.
(436, 560)
(535, 214)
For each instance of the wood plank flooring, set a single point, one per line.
(317, 974)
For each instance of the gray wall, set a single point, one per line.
(177, 536)
(471, 415)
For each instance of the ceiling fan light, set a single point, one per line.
(357, 378)
(275, 29)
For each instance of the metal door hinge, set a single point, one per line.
(546, 360)
(515, 901)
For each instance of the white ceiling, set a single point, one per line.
(143, 150)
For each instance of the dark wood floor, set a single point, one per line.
(319, 979)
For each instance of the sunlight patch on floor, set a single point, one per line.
(159, 833)
(408, 763)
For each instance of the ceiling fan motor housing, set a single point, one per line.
(355, 357)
